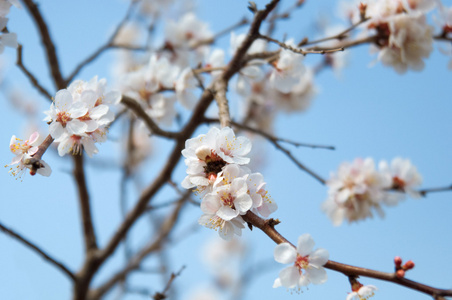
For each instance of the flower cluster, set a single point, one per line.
(229, 190)
(307, 264)
(358, 188)
(360, 291)
(8, 39)
(24, 151)
(403, 36)
(80, 115)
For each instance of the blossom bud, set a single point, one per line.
(362, 10)
(408, 265)
(398, 262)
(400, 273)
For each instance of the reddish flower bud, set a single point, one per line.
(398, 262)
(400, 273)
(408, 265)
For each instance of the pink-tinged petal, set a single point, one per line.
(45, 170)
(65, 146)
(289, 277)
(199, 180)
(107, 118)
(16, 159)
(78, 109)
(305, 244)
(56, 130)
(267, 208)
(319, 257)
(317, 275)
(32, 150)
(205, 220)
(13, 140)
(186, 183)
(113, 97)
(89, 146)
(210, 204)
(243, 203)
(284, 253)
(89, 98)
(227, 232)
(76, 127)
(91, 125)
(98, 111)
(63, 100)
(33, 138)
(227, 213)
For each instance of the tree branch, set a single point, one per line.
(29, 75)
(85, 209)
(38, 250)
(52, 59)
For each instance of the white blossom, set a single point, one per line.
(363, 292)
(307, 264)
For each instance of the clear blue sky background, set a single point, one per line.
(366, 112)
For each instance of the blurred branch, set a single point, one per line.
(52, 59)
(134, 262)
(101, 49)
(301, 51)
(424, 192)
(268, 227)
(162, 295)
(85, 208)
(38, 250)
(29, 75)
(133, 105)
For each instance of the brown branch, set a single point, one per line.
(349, 44)
(162, 295)
(85, 209)
(135, 262)
(52, 59)
(301, 51)
(222, 102)
(34, 161)
(133, 105)
(39, 251)
(267, 226)
(29, 75)
(424, 192)
(101, 49)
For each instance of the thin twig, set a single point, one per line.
(101, 49)
(29, 75)
(162, 295)
(424, 192)
(49, 46)
(38, 250)
(301, 51)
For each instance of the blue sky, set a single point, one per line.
(367, 111)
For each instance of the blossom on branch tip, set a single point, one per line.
(24, 151)
(80, 115)
(307, 264)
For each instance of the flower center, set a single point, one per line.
(22, 148)
(63, 117)
(302, 262)
(227, 199)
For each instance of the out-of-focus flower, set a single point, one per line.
(287, 69)
(307, 264)
(361, 292)
(354, 191)
(404, 175)
(24, 151)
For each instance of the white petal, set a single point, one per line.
(284, 253)
(305, 244)
(289, 277)
(227, 213)
(319, 257)
(317, 275)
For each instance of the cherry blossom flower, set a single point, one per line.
(361, 292)
(207, 154)
(307, 264)
(80, 115)
(262, 202)
(355, 190)
(287, 69)
(24, 150)
(404, 175)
